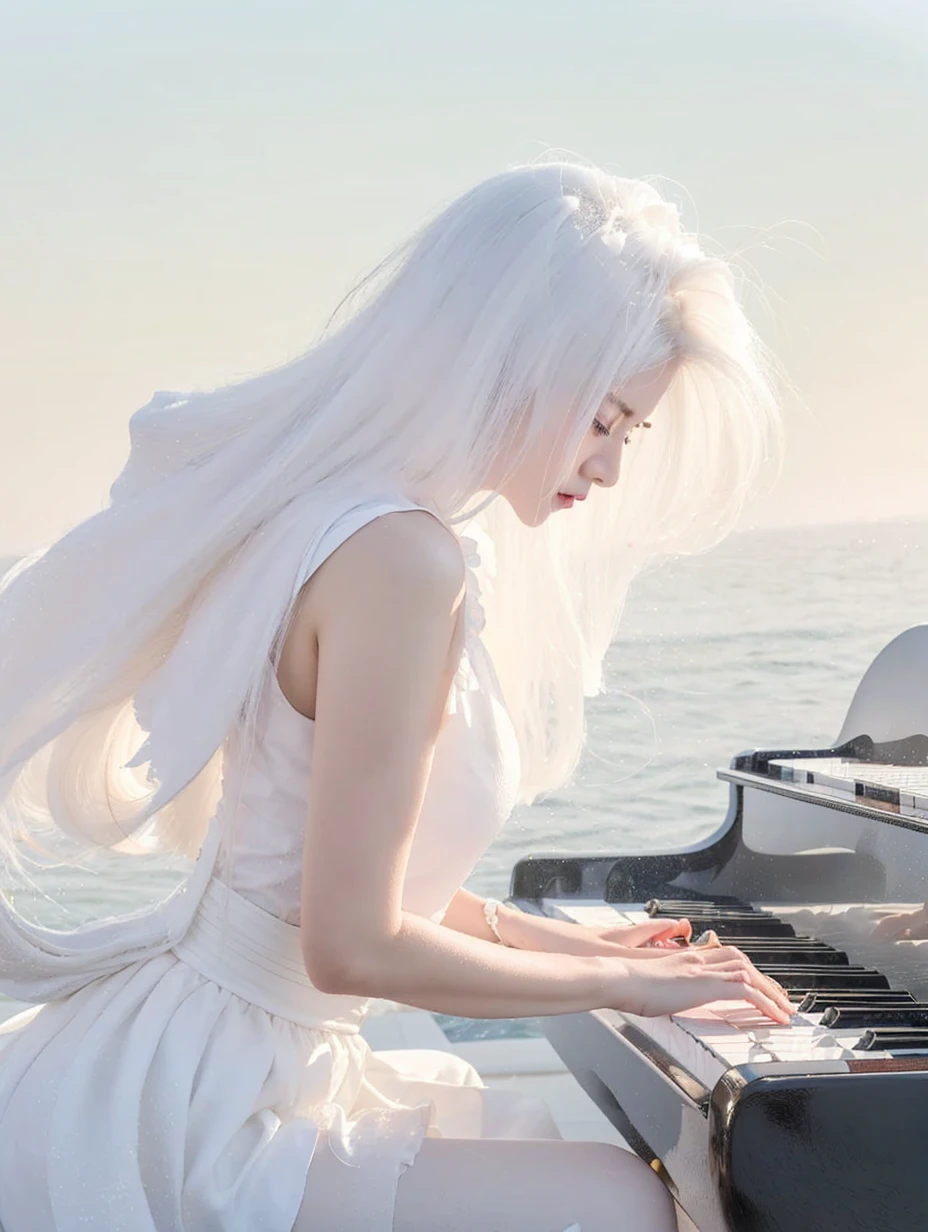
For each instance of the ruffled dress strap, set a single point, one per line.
(480, 569)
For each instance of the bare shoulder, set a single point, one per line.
(400, 560)
(394, 583)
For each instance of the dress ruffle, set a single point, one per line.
(205, 1110)
(479, 571)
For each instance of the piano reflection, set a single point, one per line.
(819, 872)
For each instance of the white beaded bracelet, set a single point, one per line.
(490, 907)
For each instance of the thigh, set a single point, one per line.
(500, 1185)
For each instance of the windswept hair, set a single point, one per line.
(525, 301)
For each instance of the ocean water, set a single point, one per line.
(760, 643)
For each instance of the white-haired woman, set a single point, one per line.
(272, 652)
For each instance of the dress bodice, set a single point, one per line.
(470, 792)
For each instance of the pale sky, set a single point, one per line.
(189, 187)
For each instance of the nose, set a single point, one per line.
(603, 466)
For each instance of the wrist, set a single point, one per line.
(609, 978)
(491, 908)
(518, 930)
(542, 934)
(623, 978)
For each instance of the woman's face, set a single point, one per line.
(532, 488)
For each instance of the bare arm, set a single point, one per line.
(536, 932)
(385, 610)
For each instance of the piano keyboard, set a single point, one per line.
(843, 1011)
(903, 787)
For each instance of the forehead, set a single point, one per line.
(640, 394)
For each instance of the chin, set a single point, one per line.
(534, 517)
(531, 515)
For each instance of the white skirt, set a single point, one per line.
(185, 1091)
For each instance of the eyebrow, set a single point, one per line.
(623, 406)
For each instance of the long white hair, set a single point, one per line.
(526, 300)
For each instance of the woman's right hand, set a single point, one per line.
(695, 976)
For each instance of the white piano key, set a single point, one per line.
(685, 1048)
(848, 1039)
(805, 1043)
(707, 1040)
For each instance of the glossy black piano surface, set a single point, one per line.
(817, 871)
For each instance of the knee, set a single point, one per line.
(634, 1185)
(645, 1188)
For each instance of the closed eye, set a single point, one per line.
(600, 428)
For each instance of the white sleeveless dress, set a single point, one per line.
(184, 1091)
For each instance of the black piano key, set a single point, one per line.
(790, 943)
(791, 957)
(759, 928)
(677, 911)
(915, 1015)
(694, 904)
(892, 1039)
(807, 978)
(726, 921)
(778, 943)
(743, 915)
(735, 917)
(721, 913)
(815, 1002)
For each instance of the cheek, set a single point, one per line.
(548, 465)
(545, 467)
(584, 453)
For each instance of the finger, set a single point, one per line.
(778, 994)
(771, 989)
(731, 951)
(653, 933)
(765, 1004)
(891, 927)
(709, 939)
(655, 930)
(719, 955)
(665, 929)
(739, 968)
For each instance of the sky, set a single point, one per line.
(187, 190)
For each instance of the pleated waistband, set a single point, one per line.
(243, 948)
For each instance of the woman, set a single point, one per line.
(341, 701)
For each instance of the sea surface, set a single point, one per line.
(759, 643)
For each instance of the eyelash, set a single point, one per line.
(602, 430)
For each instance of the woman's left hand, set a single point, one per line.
(654, 934)
(904, 926)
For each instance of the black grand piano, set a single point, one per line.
(820, 873)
